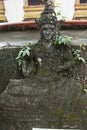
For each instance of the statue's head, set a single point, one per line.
(48, 31)
(48, 23)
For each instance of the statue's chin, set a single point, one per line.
(48, 37)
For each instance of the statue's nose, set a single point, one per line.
(48, 31)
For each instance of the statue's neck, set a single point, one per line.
(47, 44)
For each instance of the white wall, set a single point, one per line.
(14, 10)
(66, 7)
(15, 13)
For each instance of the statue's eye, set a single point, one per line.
(52, 28)
(45, 29)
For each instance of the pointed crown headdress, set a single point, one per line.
(48, 16)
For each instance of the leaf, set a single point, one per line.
(85, 90)
(27, 52)
(55, 42)
(78, 55)
(20, 53)
(59, 13)
(63, 18)
(19, 62)
(78, 51)
(81, 59)
(63, 40)
(24, 53)
(17, 58)
(82, 46)
(28, 48)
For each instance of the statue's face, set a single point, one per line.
(48, 31)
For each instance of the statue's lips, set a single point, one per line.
(48, 37)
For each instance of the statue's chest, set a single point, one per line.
(50, 61)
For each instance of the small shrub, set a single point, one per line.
(65, 40)
(25, 51)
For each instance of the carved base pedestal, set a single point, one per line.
(31, 104)
(48, 99)
(2, 12)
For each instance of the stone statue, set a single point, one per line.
(50, 97)
(48, 30)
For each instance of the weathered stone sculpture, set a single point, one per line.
(48, 23)
(51, 97)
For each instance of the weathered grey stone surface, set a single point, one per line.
(50, 99)
(51, 96)
(8, 66)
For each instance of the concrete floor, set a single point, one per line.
(20, 38)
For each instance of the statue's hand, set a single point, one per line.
(66, 66)
(59, 69)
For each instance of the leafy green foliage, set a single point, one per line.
(65, 40)
(77, 54)
(25, 51)
(59, 14)
(85, 90)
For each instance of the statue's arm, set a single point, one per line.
(67, 65)
(69, 62)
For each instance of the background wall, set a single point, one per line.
(66, 7)
(14, 10)
(15, 13)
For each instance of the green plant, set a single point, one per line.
(85, 90)
(24, 51)
(77, 54)
(65, 40)
(61, 17)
